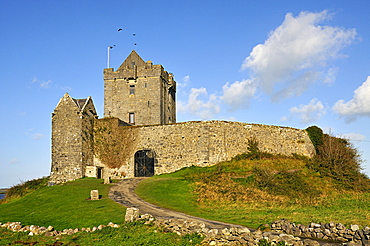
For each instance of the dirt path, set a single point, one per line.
(124, 194)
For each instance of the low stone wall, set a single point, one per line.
(227, 236)
(328, 231)
(50, 231)
(282, 231)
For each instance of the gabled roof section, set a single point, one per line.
(80, 102)
(132, 59)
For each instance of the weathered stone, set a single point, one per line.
(355, 227)
(352, 243)
(132, 214)
(107, 180)
(94, 195)
(340, 226)
(72, 138)
(309, 242)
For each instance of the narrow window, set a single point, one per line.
(131, 118)
(132, 89)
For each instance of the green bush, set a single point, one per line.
(338, 159)
(316, 135)
(253, 152)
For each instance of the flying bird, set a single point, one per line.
(112, 46)
(135, 44)
(120, 29)
(133, 34)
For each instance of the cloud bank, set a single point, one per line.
(296, 54)
(200, 103)
(310, 112)
(356, 107)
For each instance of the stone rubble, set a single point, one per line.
(281, 230)
(50, 231)
(325, 231)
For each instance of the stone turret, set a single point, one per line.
(140, 93)
(72, 138)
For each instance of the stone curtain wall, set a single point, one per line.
(207, 143)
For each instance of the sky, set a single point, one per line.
(287, 63)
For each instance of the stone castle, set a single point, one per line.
(139, 136)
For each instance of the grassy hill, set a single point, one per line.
(257, 188)
(68, 206)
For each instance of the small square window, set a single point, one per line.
(131, 118)
(132, 89)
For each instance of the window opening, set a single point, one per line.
(131, 118)
(132, 89)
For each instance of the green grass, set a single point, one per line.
(172, 192)
(129, 234)
(256, 192)
(64, 206)
(68, 206)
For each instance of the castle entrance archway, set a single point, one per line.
(144, 163)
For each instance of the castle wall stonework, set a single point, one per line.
(72, 145)
(141, 89)
(204, 143)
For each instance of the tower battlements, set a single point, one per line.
(139, 92)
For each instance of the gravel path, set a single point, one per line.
(124, 193)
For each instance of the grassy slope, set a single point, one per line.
(231, 192)
(64, 206)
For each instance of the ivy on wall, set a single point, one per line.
(113, 143)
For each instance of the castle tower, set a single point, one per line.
(72, 138)
(139, 92)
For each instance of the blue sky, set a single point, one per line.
(289, 63)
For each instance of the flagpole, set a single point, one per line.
(108, 65)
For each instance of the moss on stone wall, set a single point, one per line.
(112, 144)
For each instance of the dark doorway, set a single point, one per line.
(144, 163)
(100, 173)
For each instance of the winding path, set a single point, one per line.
(124, 193)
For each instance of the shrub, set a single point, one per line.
(339, 159)
(316, 135)
(253, 152)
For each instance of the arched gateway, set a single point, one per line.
(144, 163)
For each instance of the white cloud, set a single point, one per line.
(310, 112)
(353, 136)
(331, 75)
(284, 118)
(296, 54)
(200, 104)
(358, 106)
(238, 94)
(42, 83)
(185, 81)
(37, 136)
